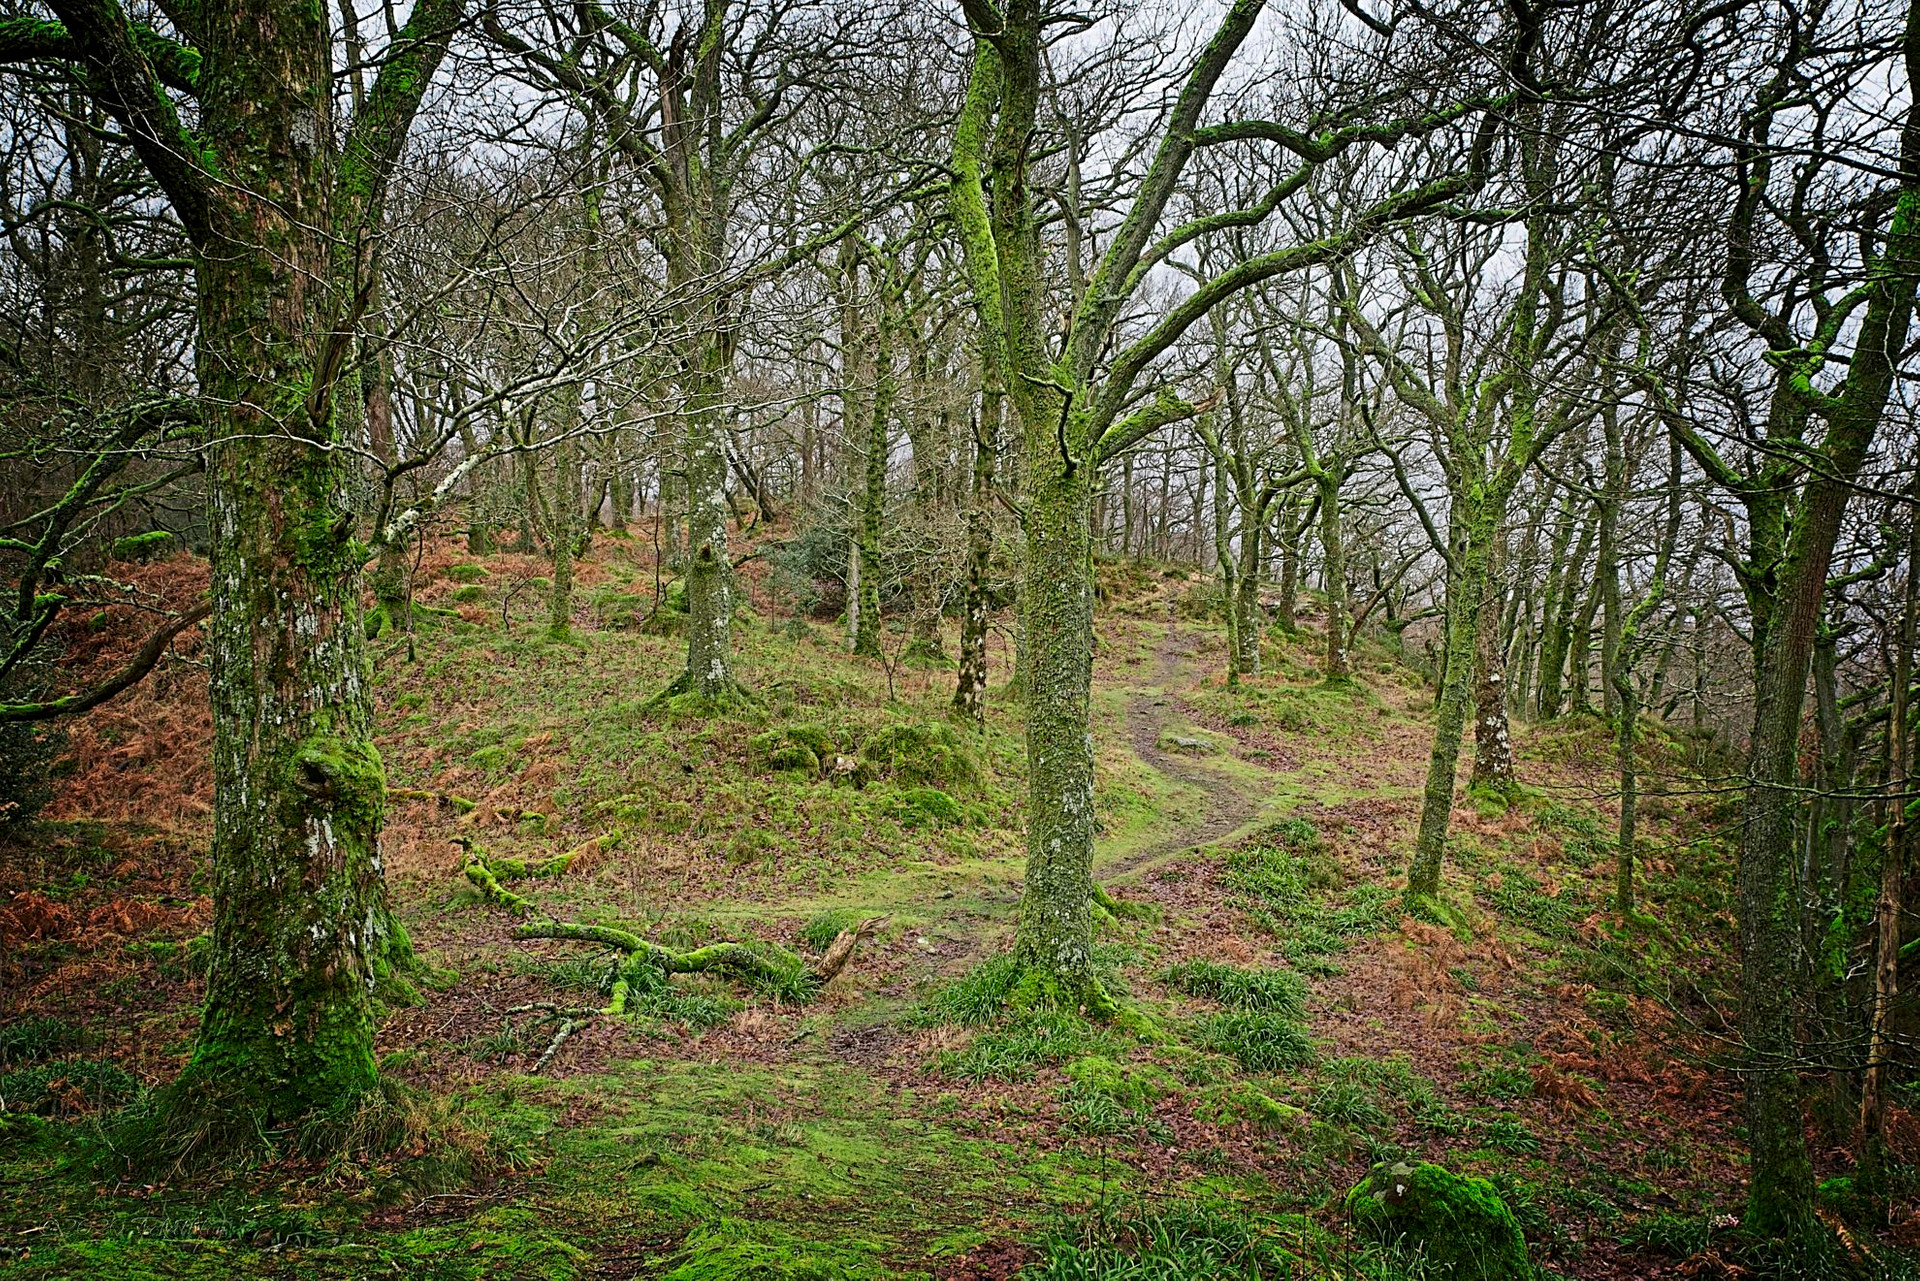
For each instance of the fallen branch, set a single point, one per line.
(645, 964)
(447, 799)
(481, 875)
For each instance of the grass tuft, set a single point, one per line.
(1274, 990)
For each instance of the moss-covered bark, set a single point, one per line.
(299, 791)
(970, 687)
(302, 933)
(1056, 924)
(1333, 548)
(1466, 581)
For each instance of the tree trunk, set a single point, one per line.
(1467, 583)
(301, 929)
(1887, 913)
(1248, 621)
(1492, 744)
(709, 671)
(969, 693)
(1557, 616)
(1283, 608)
(1224, 562)
(1333, 548)
(873, 493)
(1056, 922)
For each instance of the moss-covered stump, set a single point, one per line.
(1458, 1222)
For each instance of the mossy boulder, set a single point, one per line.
(471, 594)
(818, 740)
(784, 751)
(923, 755)
(466, 572)
(927, 807)
(1457, 1221)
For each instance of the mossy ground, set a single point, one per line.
(1291, 1027)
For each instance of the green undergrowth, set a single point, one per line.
(1199, 1240)
(825, 770)
(1285, 880)
(1324, 711)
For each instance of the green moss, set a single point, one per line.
(466, 573)
(730, 1250)
(1132, 1085)
(471, 594)
(1457, 1222)
(794, 758)
(814, 738)
(931, 754)
(926, 807)
(152, 545)
(1239, 1102)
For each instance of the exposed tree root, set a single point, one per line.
(733, 693)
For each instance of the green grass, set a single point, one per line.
(1272, 990)
(1016, 1050)
(1300, 896)
(1259, 1040)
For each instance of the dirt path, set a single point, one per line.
(1228, 806)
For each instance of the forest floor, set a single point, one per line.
(880, 1129)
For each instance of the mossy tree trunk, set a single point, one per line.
(1466, 581)
(1557, 611)
(970, 689)
(1492, 743)
(301, 928)
(1333, 549)
(1287, 535)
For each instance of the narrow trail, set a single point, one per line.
(1227, 806)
